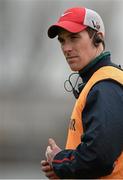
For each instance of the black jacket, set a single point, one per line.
(102, 141)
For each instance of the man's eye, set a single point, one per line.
(60, 40)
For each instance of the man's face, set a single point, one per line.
(78, 48)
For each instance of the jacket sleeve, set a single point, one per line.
(102, 141)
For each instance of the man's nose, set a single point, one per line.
(67, 47)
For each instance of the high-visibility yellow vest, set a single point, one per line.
(76, 128)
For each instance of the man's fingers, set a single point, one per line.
(48, 153)
(46, 168)
(44, 163)
(52, 143)
(50, 173)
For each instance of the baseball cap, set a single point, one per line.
(77, 19)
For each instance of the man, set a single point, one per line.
(94, 147)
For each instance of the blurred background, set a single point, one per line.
(33, 103)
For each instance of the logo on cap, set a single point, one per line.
(66, 14)
(96, 25)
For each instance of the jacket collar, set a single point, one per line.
(104, 59)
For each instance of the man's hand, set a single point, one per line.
(51, 150)
(48, 170)
(46, 165)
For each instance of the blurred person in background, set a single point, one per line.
(94, 147)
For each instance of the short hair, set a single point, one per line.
(96, 38)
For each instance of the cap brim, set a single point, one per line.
(67, 25)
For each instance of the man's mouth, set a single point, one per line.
(71, 57)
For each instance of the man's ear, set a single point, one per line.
(98, 38)
(100, 35)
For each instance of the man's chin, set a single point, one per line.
(74, 68)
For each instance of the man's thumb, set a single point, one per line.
(52, 143)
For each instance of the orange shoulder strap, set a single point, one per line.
(106, 72)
